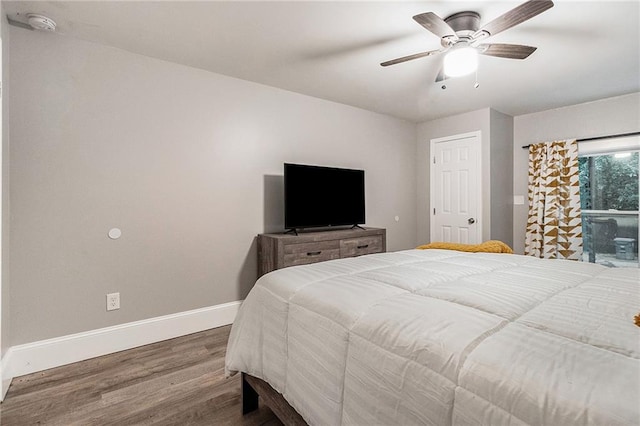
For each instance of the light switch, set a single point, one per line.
(518, 200)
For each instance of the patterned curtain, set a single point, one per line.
(554, 226)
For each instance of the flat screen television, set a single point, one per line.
(316, 196)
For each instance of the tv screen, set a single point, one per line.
(317, 196)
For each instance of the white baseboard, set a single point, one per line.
(37, 356)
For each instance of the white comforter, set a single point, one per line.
(436, 337)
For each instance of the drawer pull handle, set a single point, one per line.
(313, 253)
(363, 246)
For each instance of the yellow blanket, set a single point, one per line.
(491, 246)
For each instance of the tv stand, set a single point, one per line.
(357, 226)
(276, 251)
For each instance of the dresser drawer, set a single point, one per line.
(362, 245)
(304, 253)
(276, 251)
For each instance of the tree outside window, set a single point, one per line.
(609, 198)
(609, 182)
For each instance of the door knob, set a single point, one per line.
(471, 221)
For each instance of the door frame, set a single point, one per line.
(478, 187)
(4, 383)
(4, 387)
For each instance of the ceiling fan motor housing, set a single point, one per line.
(464, 23)
(41, 22)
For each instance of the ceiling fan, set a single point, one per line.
(460, 36)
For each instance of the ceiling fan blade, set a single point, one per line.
(435, 24)
(511, 51)
(410, 57)
(515, 16)
(19, 24)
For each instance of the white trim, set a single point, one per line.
(37, 356)
(2, 373)
(469, 135)
(611, 212)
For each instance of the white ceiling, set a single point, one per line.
(587, 50)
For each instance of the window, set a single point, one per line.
(609, 198)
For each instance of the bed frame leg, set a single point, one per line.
(249, 397)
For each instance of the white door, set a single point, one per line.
(456, 189)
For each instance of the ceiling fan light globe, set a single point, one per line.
(462, 61)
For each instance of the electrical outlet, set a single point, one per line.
(113, 301)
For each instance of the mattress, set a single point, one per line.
(438, 337)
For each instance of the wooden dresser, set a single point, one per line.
(276, 251)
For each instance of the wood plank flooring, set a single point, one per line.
(175, 382)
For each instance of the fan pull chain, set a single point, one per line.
(477, 84)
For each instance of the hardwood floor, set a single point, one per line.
(175, 382)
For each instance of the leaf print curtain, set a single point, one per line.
(554, 225)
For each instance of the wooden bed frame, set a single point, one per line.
(253, 388)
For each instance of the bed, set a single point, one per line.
(439, 337)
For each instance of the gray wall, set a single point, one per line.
(180, 159)
(188, 164)
(604, 117)
(501, 152)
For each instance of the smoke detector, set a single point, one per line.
(41, 22)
